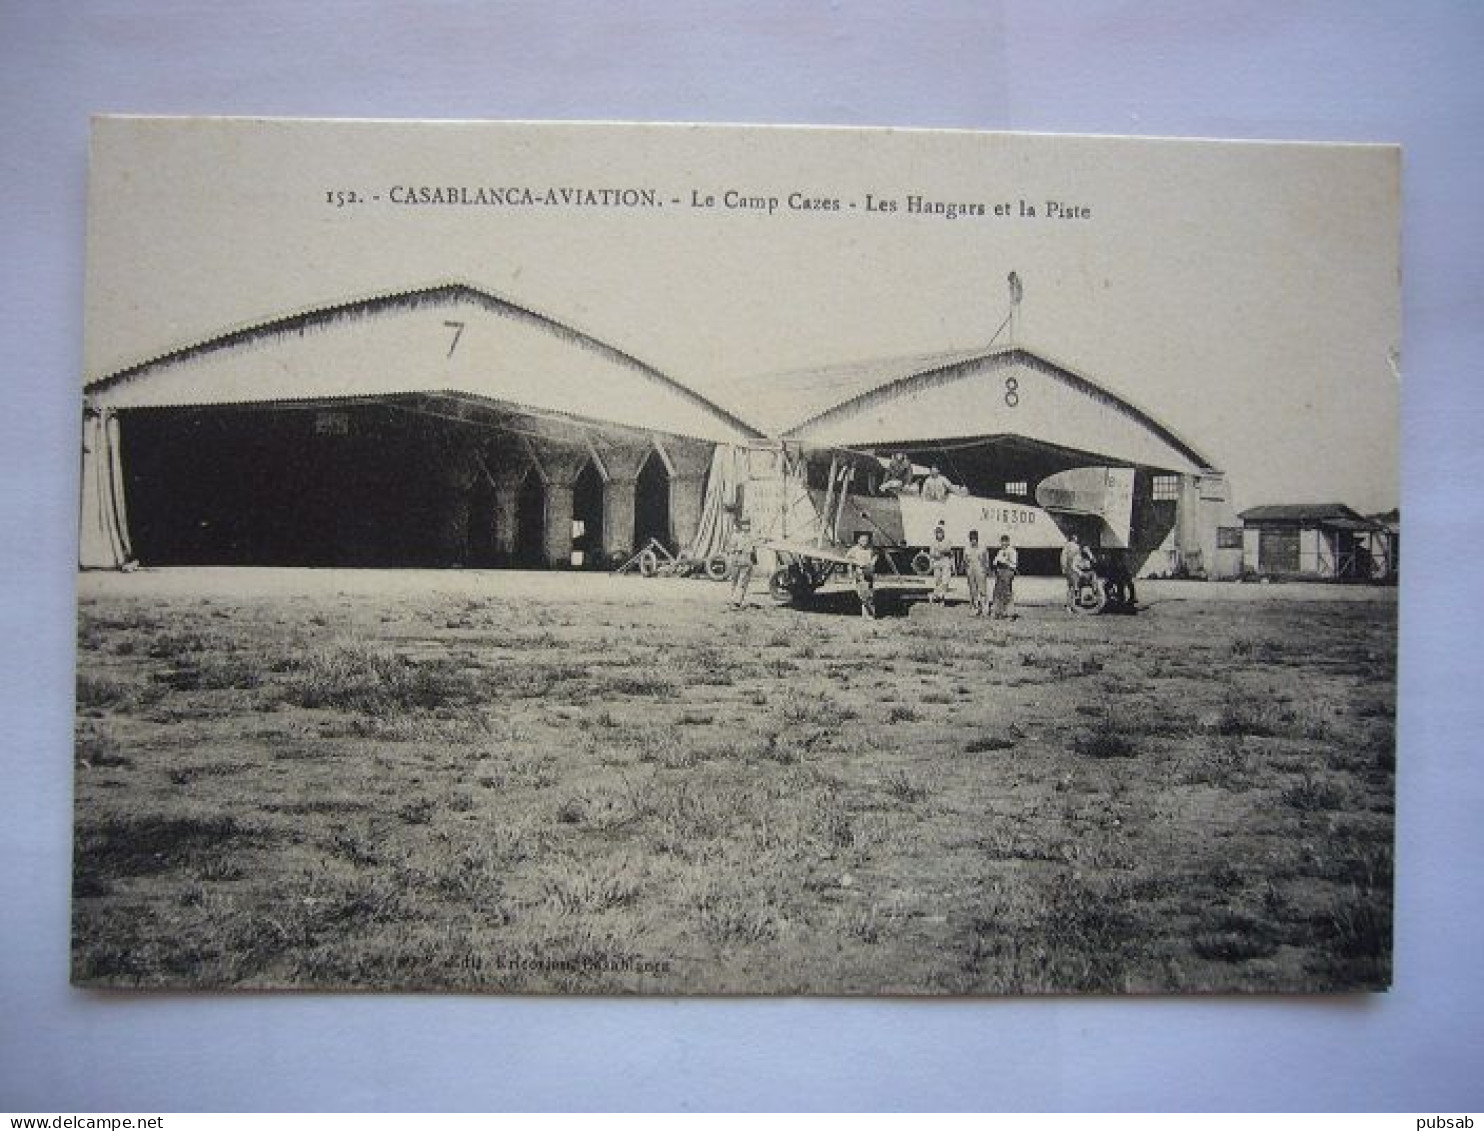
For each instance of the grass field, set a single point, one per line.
(559, 783)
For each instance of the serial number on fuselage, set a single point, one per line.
(1008, 516)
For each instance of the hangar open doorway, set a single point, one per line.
(530, 523)
(394, 482)
(281, 486)
(652, 504)
(587, 519)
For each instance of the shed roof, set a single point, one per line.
(1310, 514)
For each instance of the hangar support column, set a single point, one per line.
(560, 466)
(507, 515)
(507, 470)
(620, 492)
(688, 461)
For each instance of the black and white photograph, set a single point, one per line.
(582, 559)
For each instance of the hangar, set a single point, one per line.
(1011, 424)
(435, 427)
(450, 426)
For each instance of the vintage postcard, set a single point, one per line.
(579, 558)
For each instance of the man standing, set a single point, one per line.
(974, 570)
(862, 559)
(741, 559)
(936, 488)
(1006, 565)
(1071, 559)
(940, 554)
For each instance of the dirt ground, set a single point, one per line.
(541, 782)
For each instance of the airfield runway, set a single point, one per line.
(555, 782)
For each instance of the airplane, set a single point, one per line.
(840, 494)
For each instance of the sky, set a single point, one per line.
(1247, 295)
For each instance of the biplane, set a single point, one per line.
(821, 499)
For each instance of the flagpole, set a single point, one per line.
(1017, 292)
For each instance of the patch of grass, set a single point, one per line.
(173, 645)
(1245, 717)
(1089, 933)
(864, 924)
(1367, 866)
(1312, 795)
(460, 801)
(641, 683)
(731, 915)
(185, 775)
(933, 652)
(1223, 766)
(147, 845)
(814, 710)
(787, 747)
(212, 671)
(102, 691)
(475, 875)
(1359, 926)
(1225, 876)
(96, 747)
(901, 787)
(901, 713)
(316, 806)
(1234, 937)
(589, 893)
(1104, 744)
(361, 678)
(988, 743)
(220, 868)
(419, 812)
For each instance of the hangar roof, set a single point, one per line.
(447, 338)
(780, 402)
(944, 395)
(457, 339)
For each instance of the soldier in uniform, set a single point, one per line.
(862, 559)
(976, 570)
(741, 560)
(940, 554)
(1071, 567)
(1006, 566)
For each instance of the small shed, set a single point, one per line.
(1318, 540)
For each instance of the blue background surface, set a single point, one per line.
(1405, 72)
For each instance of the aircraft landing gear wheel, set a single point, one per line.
(781, 585)
(922, 564)
(1090, 598)
(717, 568)
(649, 563)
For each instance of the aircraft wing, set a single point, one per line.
(809, 550)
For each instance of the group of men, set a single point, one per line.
(990, 571)
(901, 479)
(994, 599)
